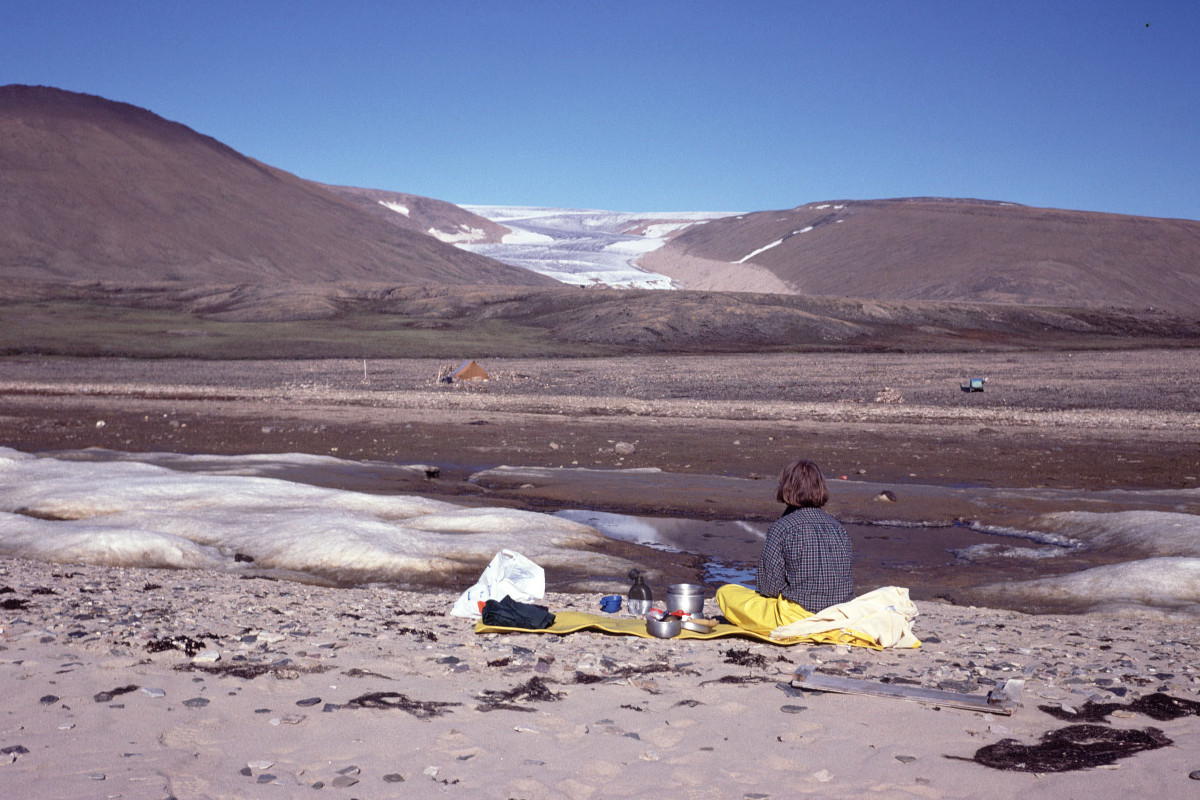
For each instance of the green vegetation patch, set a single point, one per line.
(80, 328)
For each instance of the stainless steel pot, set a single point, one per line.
(685, 597)
(666, 628)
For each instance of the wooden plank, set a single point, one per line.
(1004, 699)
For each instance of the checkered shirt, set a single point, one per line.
(806, 559)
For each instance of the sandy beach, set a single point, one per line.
(144, 683)
(150, 684)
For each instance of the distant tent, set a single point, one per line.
(469, 370)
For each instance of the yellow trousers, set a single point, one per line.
(748, 609)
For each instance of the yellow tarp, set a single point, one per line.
(571, 621)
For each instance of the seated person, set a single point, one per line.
(805, 562)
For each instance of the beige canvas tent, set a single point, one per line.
(469, 370)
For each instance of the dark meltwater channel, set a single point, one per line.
(930, 561)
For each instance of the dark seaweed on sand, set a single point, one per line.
(421, 709)
(1067, 749)
(1159, 706)
(187, 644)
(533, 689)
(737, 679)
(14, 604)
(419, 635)
(250, 671)
(744, 658)
(104, 697)
(587, 677)
(355, 672)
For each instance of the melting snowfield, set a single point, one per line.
(585, 247)
(222, 513)
(135, 514)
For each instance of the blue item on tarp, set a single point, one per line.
(610, 603)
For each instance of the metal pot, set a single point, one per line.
(685, 597)
(663, 628)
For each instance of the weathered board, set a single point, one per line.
(1004, 699)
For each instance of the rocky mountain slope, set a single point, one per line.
(437, 218)
(950, 251)
(92, 189)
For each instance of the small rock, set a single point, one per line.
(246, 771)
(48, 699)
(308, 701)
(351, 770)
(342, 781)
(266, 777)
(886, 496)
(207, 657)
(153, 692)
(906, 759)
(1195, 775)
(393, 777)
(259, 765)
(824, 776)
(793, 709)
(430, 771)
(196, 702)
(624, 448)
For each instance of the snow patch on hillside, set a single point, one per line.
(464, 235)
(762, 249)
(399, 208)
(775, 243)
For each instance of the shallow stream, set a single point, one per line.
(941, 561)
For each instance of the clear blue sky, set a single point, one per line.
(639, 106)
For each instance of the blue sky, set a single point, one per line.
(649, 105)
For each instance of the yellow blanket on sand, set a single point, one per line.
(876, 620)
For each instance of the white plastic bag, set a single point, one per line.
(509, 574)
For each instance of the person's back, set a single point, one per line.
(810, 564)
(805, 564)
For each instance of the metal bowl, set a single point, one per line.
(685, 597)
(663, 628)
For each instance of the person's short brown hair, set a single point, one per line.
(802, 485)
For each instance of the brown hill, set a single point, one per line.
(92, 189)
(437, 218)
(954, 251)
